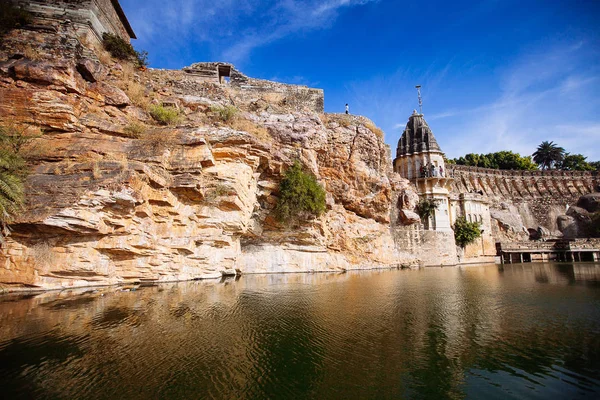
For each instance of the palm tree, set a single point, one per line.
(547, 154)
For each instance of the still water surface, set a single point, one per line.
(518, 331)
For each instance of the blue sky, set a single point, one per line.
(496, 74)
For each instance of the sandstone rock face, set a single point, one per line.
(189, 201)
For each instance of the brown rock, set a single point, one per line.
(60, 74)
(409, 217)
(109, 94)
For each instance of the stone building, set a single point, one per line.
(420, 159)
(87, 18)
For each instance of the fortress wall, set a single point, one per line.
(250, 89)
(539, 196)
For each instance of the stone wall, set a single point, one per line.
(251, 89)
(86, 17)
(539, 197)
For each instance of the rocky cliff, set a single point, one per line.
(115, 197)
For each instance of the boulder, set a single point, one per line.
(110, 95)
(590, 202)
(409, 217)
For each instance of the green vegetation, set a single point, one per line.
(575, 162)
(426, 208)
(164, 115)
(120, 49)
(13, 170)
(12, 17)
(224, 113)
(300, 196)
(498, 160)
(465, 232)
(548, 155)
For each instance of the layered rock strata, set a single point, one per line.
(114, 197)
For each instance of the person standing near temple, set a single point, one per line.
(347, 109)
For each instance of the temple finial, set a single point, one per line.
(420, 99)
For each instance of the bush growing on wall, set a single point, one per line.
(426, 208)
(465, 232)
(300, 196)
(119, 48)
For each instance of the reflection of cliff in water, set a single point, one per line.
(436, 333)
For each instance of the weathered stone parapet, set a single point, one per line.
(563, 186)
(249, 89)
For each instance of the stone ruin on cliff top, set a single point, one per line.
(89, 19)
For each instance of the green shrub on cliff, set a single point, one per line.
(301, 197)
(466, 232)
(12, 17)
(13, 170)
(224, 113)
(120, 49)
(164, 115)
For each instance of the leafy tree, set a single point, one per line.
(575, 162)
(300, 196)
(466, 232)
(595, 165)
(548, 154)
(426, 208)
(498, 160)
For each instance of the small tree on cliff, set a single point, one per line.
(300, 196)
(466, 232)
(426, 208)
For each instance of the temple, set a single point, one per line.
(420, 159)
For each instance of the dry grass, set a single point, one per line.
(259, 132)
(272, 98)
(121, 158)
(134, 129)
(96, 173)
(104, 57)
(375, 129)
(154, 141)
(137, 94)
(342, 120)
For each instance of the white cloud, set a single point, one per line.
(237, 26)
(539, 93)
